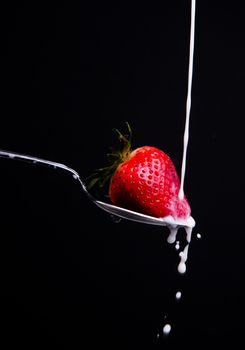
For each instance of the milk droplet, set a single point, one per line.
(172, 235)
(199, 236)
(166, 329)
(75, 176)
(183, 257)
(177, 246)
(178, 295)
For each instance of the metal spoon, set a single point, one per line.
(111, 209)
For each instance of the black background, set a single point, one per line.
(70, 277)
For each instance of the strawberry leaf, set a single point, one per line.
(102, 176)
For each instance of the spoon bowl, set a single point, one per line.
(111, 209)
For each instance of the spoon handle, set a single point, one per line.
(36, 160)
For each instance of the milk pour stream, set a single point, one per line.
(189, 223)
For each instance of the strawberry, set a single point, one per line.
(144, 180)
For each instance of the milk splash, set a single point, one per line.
(174, 225)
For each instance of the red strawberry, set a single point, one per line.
(145, 180)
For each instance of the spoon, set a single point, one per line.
(111, 209)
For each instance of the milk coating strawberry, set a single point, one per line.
(147, 182)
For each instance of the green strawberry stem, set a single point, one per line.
(102, 176)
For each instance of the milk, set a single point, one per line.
(188, 99)
(189, 223)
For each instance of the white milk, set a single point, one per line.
(178, 295)
(173, 226)
(166, 329)
(188, 100)
(189, 223)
